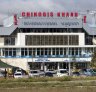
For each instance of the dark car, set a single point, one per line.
(86, 72)
(48, 74)
(94, 72)
(75, 74)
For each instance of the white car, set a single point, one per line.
(18, 75)
(34, 73)
(62, 72)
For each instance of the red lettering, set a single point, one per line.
(15, 19)
(39, 14)
(76, 14)
(28, 14)
(51, 14)
(23, 14)
(44, 14)
(84, 19)
(58, 14)
(63, 14)
(35, 14)
(67, 14)
(71, 14)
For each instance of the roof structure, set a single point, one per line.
(90, 30)
(7, 30)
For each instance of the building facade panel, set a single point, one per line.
(50, 23)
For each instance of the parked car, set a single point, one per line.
(48, 74)
(41, 73)
(62, 72)
(86, 72)
(52, 71)
(34, 73)
(94, 72)
(1, 74)
(75, 74)
(18, 71)
(18, 75)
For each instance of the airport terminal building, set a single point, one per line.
(47, 40)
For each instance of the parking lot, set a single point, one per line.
(55, 73)
(19, 73)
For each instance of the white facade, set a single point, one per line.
(20, 40)
(46, 40)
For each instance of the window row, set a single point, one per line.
(9, 41)
(51, 30)
(46, 52)
(52, 40)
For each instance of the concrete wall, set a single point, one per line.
(81, 39)
(1, 41)
(20, 41)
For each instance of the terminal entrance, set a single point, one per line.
(56, 65)
(47, 65)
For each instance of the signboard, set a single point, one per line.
(77, 60)
(42, 60)
(49, 23)
(58, 60)
(49, 14)
(84, 59)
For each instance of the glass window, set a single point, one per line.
(51, 40)
(9, 41)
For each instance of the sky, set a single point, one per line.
(8, 7)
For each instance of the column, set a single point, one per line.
(63, 51)
(45, 67)
(69, 68)
(12, 51)
(58, 67)
(67, 51)
(43, 51)
(55, 51)
(51, 52)
(78, 52)
(42, 66)
(1, 52)
(27, 51)
(35, 51)
(18, 52)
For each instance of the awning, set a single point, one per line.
(5, 65)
